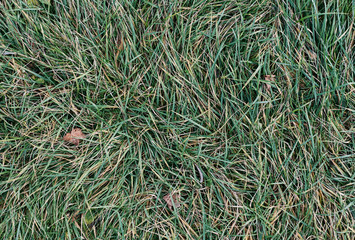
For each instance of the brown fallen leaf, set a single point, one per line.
(75, 136)
(270, 78)
(172, 198)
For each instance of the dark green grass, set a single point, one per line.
(165, 88)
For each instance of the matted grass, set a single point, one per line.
(257, 96)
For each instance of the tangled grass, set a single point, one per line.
(245, 109)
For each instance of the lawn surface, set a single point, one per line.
(242, 111)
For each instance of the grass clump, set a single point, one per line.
(244, 110)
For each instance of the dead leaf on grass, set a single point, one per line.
(172, 199)
(270, 78)
(75, 136)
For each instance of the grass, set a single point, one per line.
(258, 96)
